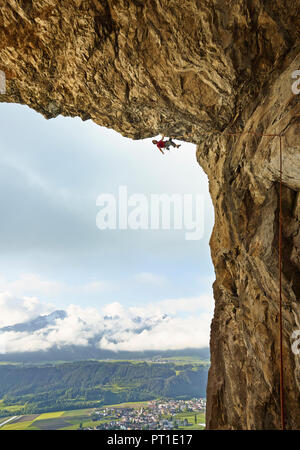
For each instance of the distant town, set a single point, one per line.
(154, 415)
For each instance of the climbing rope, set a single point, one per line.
(281, 382)
(280, 288)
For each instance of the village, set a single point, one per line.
(155, 415)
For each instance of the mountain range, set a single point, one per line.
(44, 325)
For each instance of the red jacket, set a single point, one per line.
(160, 144)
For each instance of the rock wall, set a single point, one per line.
(196, 70)
(243, 387)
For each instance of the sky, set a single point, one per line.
(53, 255)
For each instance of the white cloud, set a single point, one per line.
(20, 309)
(11, 342)
(113, 309)
(155, 326)
(173, 334)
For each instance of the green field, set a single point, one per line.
(17, 426)
(10, 408)
(4, 363)
(190, 416)
(186, 360)
(57, 420)
(126, 405)
(51, 415)
(71, 420)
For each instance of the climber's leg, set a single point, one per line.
(167, 145)
(170, 142)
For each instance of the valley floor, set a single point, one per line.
(128, 416)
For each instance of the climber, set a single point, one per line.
(165, 144)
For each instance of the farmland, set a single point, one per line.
(51, 421)
(107, 417)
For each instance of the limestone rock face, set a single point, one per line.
(195, 70)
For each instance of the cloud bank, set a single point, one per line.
(171, 324)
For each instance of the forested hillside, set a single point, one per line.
(91, 383)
